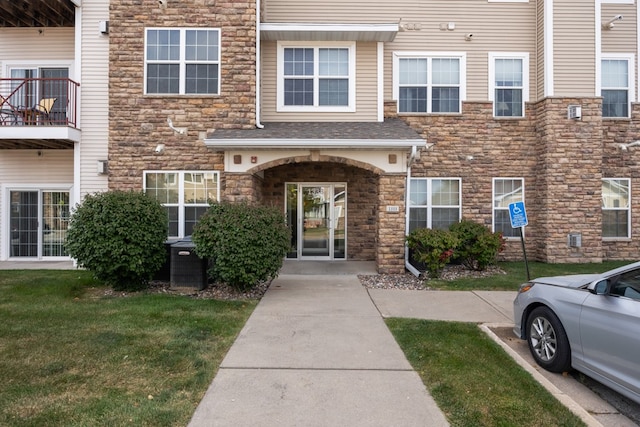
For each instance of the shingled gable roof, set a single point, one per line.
(392, 133)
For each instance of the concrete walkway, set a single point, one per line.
(316, 352)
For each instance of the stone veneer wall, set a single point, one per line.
(568, 194)
(623, 164)
(503, 148)
(362, 199)
(138, 122)
(561, 160)
(391, 225)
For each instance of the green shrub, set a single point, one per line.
(432, 247)
(119, 236)
(478, 246)
(245, 243)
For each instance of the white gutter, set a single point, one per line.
(258, 66)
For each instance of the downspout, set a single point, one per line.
(412, 159)
(258, 66)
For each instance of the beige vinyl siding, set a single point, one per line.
(29, 44)
(36, 167)
(94, 119)
(574, 48)
(504, 27)
(366, 89)
(352, 11)
(496, 27)
(623, 37)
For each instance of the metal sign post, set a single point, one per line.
(518, 217)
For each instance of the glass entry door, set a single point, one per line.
(39, 221)
(316, 214)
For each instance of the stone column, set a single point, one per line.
(391, 224)
(242, 187)
(568, 194)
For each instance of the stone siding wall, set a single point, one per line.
(618, 163)
(568, 193)
(562, 161)
(391, 225)
(138, 122)
(477, 148)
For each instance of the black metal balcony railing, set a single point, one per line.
(37, 102)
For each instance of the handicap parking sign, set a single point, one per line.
(518, 215)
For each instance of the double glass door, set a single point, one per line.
(316, 215)
(38, 221)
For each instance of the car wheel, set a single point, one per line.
(548, 341)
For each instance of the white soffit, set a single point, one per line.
(328, 32)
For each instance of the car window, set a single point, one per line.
(627, 285)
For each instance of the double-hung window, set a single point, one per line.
(505, 192)
(616, 85)
(185, 196)
(508, 83)
(616, 208)
(316, 77)
(427, 82)
(434, 203)
(182, 61)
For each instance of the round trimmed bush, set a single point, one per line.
(245, 243)
(478, 247)
(119, 236)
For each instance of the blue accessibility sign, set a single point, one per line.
(518, 215)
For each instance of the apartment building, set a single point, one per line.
(53, 119)
(360, 120)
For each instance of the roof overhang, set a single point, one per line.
(288, 144)
(392, 134)
(328, 32)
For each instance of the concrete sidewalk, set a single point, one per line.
(316, 352)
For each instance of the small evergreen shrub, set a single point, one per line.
(478, 247)
(434, 248)
(119, 236)
(245, 243)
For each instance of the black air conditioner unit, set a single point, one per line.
(188, 270)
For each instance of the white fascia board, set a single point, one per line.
(285, 144)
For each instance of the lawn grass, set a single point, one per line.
(69, 355)
(516, 274)
(473, 380)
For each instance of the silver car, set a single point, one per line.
(589, 322)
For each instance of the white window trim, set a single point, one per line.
(430, 205)
(630, 58)
(525, 79)
(617, 1)
(350, 108)
(182, 61)
(462, 56)
(628, 209)
(493, 198)
(508, 1)
(181, 205)
(11, 65)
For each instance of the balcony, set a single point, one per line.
(38, 113)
